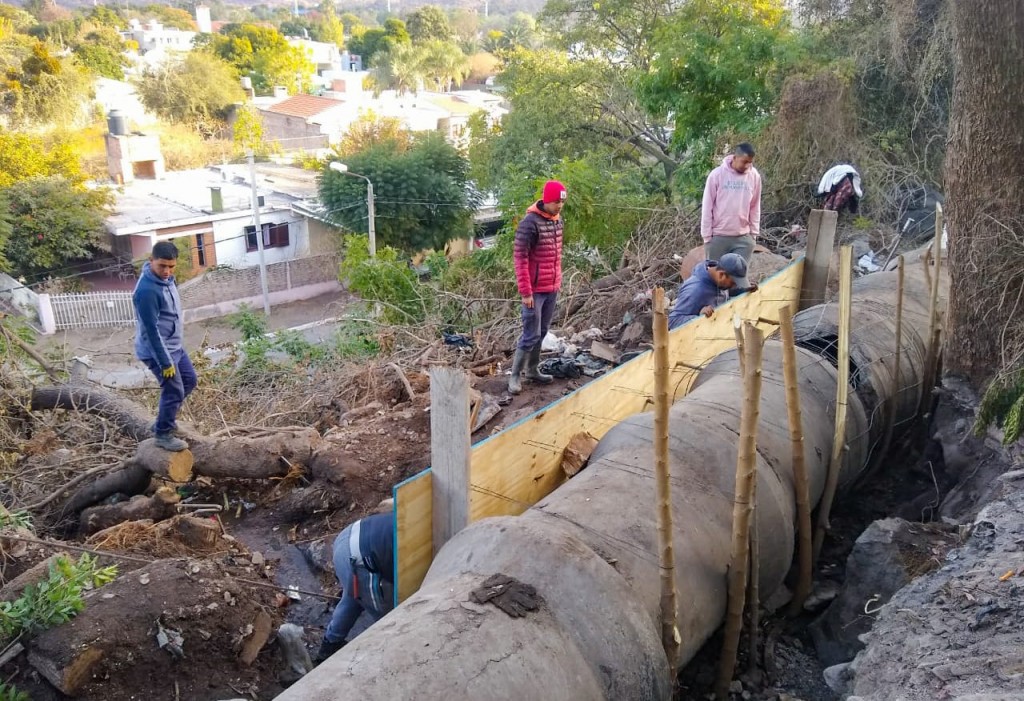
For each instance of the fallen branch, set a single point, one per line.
(404, 380)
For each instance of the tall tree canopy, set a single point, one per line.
(265, 55)
(197, 90)
(422, 195)
(428, 22)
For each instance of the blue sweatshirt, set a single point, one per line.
(158, 310)
(696, 292)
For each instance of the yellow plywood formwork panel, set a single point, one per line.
(513, 470)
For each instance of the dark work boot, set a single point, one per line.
(327, 649)
(532, 371)
(515, 385)
(167, 441)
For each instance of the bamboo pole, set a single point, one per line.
(670, 637)
(842, 396)
(933, 314)
(890, 426)
(796, 438)
(753, 593)
(746, 463)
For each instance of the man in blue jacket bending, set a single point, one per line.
(708, 286)
(158, 340)
(365, 567)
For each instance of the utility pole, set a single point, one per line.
(371, 212)
(259, 232)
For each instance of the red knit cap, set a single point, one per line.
(554, 191)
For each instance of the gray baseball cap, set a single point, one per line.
(736, 266)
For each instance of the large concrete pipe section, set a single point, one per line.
(590, 550)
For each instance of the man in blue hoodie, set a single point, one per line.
(158, 340)
(365, 567)
(710, 284)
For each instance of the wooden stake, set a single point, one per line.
(754, 585)
(670, 637)
(821, 236)
(449, 452)
(842, 395)
(746, 463)
(931, 360)
(737, 327)
(894, 391)
(796, 439)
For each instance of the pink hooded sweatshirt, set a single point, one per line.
(732, 203)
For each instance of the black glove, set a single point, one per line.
(327, 649)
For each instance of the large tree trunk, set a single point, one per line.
(984, 176)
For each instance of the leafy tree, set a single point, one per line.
(372, 130)
(429, 22)
(169, 17)
(248, 129)
(197, 89)
(45, 10)
(19, 19)
(329, 28)
(400, 67)
(422, 194)
(494, 41)
(103, 52)
(606, 117)
(371, 42)
(48, 222)
(45, 91)
(617, 29)
(720, 65)
(466, 29)
(352, 23)
(264, 54)
(521, 32)
(103, 16)
(24, 156)
(444, 62)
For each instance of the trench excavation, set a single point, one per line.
(590, 548)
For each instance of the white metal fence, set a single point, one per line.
(92, 310)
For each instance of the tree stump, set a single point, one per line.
(158, 507)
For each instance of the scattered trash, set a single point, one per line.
(550, 343)
(1009, 573)
(591, 366)
(604, 352)
(170, 640)
(577, 453)
(562, 368)
(281, 600)
(867, 263)
(457, 339)
(293, 593)
(144, 578)
(582, 337)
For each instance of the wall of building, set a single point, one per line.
(293, 132)
(229, 235)
(219, 291)
(322, 238)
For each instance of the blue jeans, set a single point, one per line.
(347, 612)
(172, 390)
(537, 321)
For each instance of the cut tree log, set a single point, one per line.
(33, 575)
(158, 507)
(262, 627)
(577, 453)
(129, 417)
(254, 458)
(197, 533)
(175, 466)
(131, 479)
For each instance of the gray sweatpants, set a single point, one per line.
(718, 246)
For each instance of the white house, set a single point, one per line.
(212, 207)
(155, 37)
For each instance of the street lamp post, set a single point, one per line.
(370, 209)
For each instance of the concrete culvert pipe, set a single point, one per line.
(590, 550)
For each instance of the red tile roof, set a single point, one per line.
(304, 106)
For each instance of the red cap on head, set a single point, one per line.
(554, 191)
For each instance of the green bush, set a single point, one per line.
(1003, 405)
(9, 693)
(56, 599)
(386, 280)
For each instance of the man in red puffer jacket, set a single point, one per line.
(538, 260)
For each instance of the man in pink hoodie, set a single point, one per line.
(731, 212)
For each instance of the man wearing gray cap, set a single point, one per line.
(710, 284)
